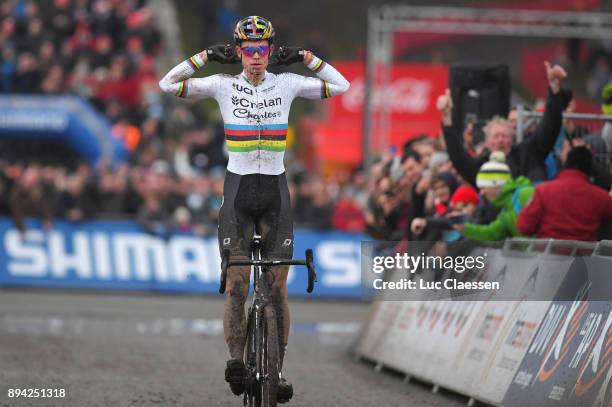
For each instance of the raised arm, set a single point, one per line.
(329, 82)
(548, 130)
(466, 165)
(178, 81)
(493, 232)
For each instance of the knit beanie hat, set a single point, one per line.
(465, 194)
(494, 172)
(606, 95)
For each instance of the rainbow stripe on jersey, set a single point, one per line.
(243, 138)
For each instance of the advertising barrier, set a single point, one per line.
(69, 119)
(535, 350)
(569, 363)
(409, 99)
(120, 255)
(536, 277)
(508, 350)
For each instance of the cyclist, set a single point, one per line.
(255, 108)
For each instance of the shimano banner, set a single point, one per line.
(119, 255)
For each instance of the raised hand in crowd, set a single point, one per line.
(444, 104)
(555, 75)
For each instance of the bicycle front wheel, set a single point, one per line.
(268, 360)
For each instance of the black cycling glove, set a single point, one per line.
(287, 56)
(222, 53)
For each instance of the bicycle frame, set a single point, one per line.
(257, 374)
(261, 350)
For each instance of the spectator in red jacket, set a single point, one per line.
(568, 207)
(347, 215)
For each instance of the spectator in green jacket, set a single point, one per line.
(510, 195)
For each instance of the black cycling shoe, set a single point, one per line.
(285, 391)
(235, 375)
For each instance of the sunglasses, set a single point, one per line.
(250, 50)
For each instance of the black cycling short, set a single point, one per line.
(261, 203)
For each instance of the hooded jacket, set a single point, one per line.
(569, 208)
(514, 195)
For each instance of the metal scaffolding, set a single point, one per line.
(385, 21)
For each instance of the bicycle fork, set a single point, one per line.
(257, 344)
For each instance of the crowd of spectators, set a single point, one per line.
(448, 190)
(163, 202)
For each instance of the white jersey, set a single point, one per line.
(255, 117)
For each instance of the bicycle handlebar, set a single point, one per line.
(312, 274)
(308, 262)
(266, 263)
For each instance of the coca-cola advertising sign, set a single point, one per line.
(409, 95)
(409, 98)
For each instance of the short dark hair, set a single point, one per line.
(417, 138)
(580, 158)
(410, 153)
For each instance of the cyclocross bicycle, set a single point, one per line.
(261, 354)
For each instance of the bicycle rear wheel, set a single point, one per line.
(267, 352)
